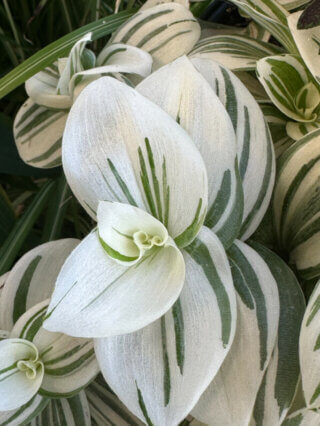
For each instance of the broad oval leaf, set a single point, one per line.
(69, 362)
(310, 349)
(180, 90)
(255, 150)
(296, 204)
(32, 279)
(119, 146)
(97, 297)
(236, 52)
(282, 376)
(230, 397)
(160, 371)
(166, 31)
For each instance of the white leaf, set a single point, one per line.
(230, 398)
(24, 414)
(21, 373)
(32, 279)
(255, 149)
(166, 31)
(97, 297)
(180, 90)
(119, 146)
(303, 417)
(160, 371)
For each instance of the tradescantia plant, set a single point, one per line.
(172, 159)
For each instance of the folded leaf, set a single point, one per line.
(281, 378)
(230, 398)
(128, 233)
(236, 52)
(69, 362)
(309, 350)
(296, 204)
(271, 16)
(160, 371)
(298, 130)
(25, 414)
(42, 89)
(166, 31)
(290, 86)
(308, 43)
(180, 90)
(21, 373)
(72, 411)
(255, 150)
(38, 134)
(119, 146)
(32, 279)
(98, 297)
(303, 417)
(106, 408)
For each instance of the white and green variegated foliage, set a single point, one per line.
(166, 31)
(296, 204)
(303, 417)
(160, 371)
(279, 384)
(37, 364)
(74, 411)
(236, 52)
(254, 145)
(231, 396)
(272, 16)
(290, 86)
(106, 408)
(180, 90)
(40, 122)
(308, 43)
(310, 350)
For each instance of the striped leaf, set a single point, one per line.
(106, 409)
(24, 415)
(296, 204)
(297, 130)
(73, 411)
(309, 350)
(303, 417)
(166, 31)
(308, 43)
(69, 362)
(38, 134)
(119, 146)
(278, 125)
(271, 16)
(230, 398)
(255, 150)
(32, 279)
(182, 92)
(292, 4)
(58, 49)
(236, 52)
(160, 371)
(281, 378)
(290, 86)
